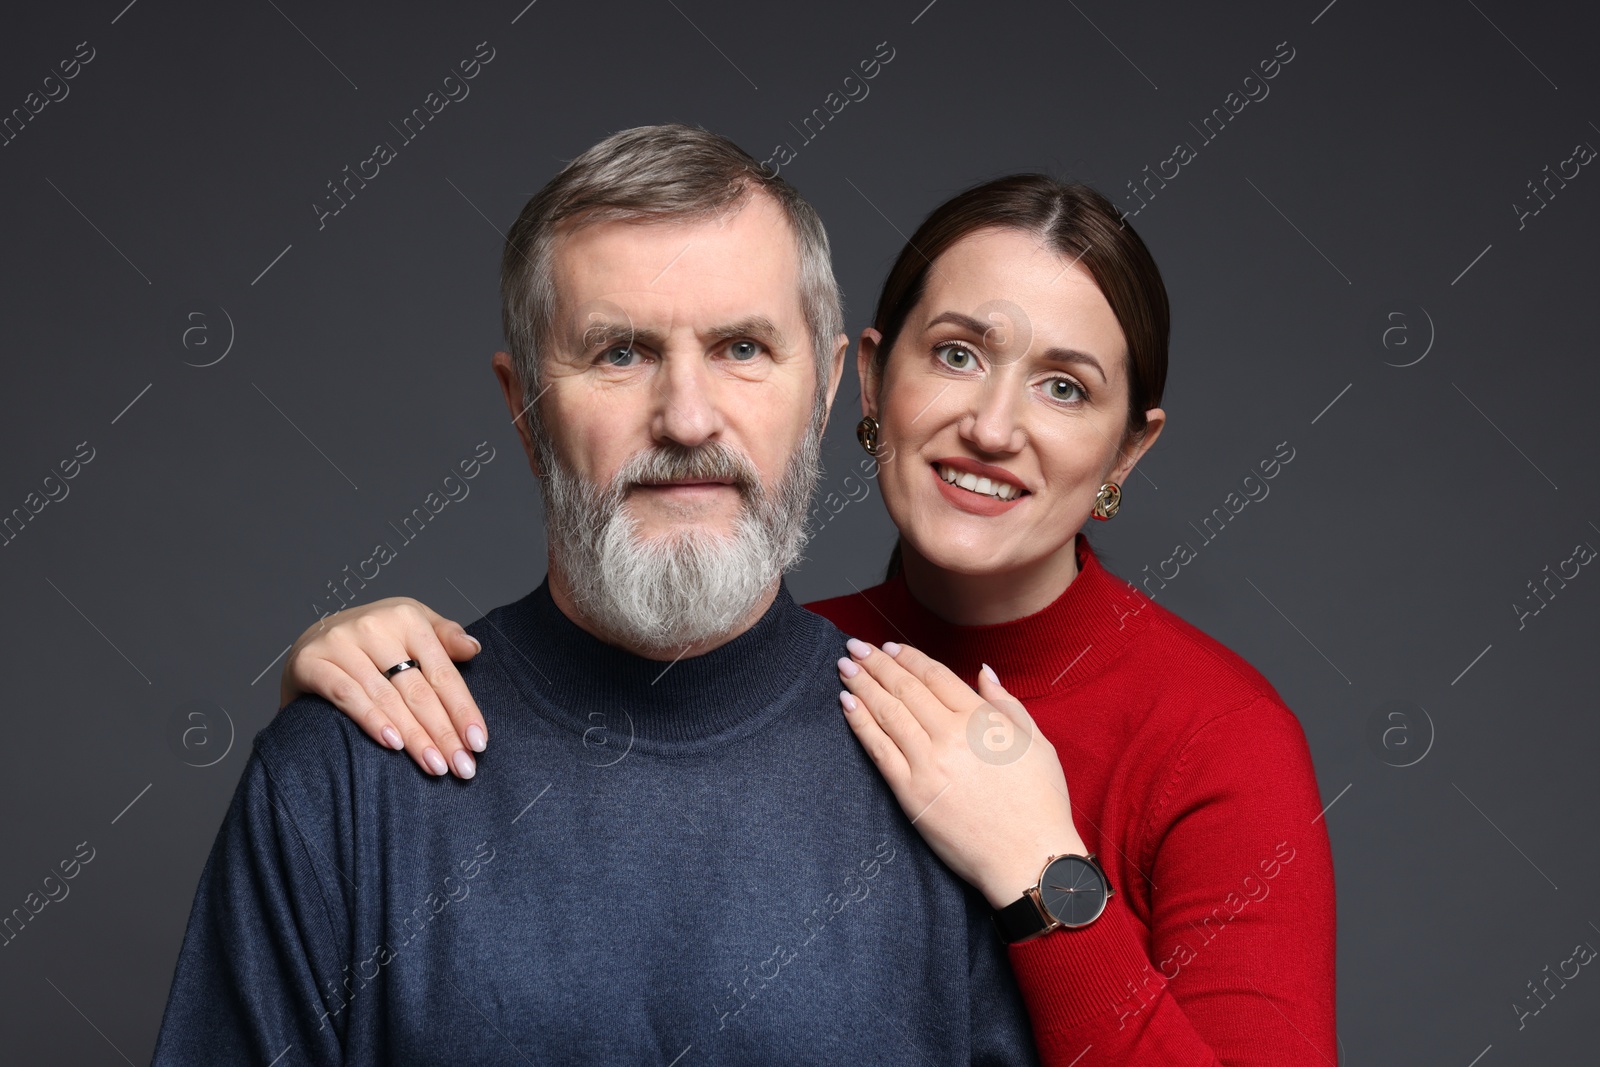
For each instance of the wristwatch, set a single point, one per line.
(1072, 892)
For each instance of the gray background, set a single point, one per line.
(1378, 178)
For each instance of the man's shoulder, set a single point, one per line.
(310, 746)
(822, 625)
(308, 722)
(856, 614)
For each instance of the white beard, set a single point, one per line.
(664, 594)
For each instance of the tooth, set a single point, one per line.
(968, 481)
(985, 486)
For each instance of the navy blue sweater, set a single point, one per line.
(679, 863)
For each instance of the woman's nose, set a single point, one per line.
(992, 424)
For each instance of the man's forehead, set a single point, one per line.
(645, 316)
(683, 273)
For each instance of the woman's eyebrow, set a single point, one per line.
(966, 322)
(1073, 355)
(1058, 355)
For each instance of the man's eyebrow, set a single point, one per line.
(602, 332)
(758, 327)
(1059, 355)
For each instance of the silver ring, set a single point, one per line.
(403, 665)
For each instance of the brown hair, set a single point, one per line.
(1072, 220)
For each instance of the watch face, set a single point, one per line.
(1073, 891)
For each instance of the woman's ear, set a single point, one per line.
(1155, 420)
(867, 369)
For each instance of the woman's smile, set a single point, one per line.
(986, 493)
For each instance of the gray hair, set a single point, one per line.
(653, 173)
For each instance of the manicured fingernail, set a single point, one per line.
(475, 641)
(891, 648)
(858, 648)
(988, 670)
(464, 765)
(434, 761)
(847, 700)
(475, 738)
(391, 737)
(847, 667)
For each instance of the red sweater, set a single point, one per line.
(1193, 784)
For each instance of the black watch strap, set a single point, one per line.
(1021, 919)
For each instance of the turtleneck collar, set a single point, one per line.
(1047, 652)
(586, 685)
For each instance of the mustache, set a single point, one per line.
(712, 461)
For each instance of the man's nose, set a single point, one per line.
(686, 400)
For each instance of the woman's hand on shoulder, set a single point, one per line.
(426, 710)
(979, 781)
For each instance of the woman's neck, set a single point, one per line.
(987, 599)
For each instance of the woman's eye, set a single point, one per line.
(954, 357)
(619, 356)
(744, 351)
(1063, 389)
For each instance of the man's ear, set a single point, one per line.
(867, 369)
(841, 346)
(511, 388)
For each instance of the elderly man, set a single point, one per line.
(682, 854)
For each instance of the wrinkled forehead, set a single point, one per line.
(676, 277)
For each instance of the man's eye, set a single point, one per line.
(744, 351)
(954, 356)
(619, 356)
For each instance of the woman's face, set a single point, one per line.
(1012, 368)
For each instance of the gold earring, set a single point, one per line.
(1107, 502)
(867, 434)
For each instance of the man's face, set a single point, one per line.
(679, 333)
(681, 423)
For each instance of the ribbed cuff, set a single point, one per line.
(1070, 977)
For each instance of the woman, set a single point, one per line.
(1010, 381)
